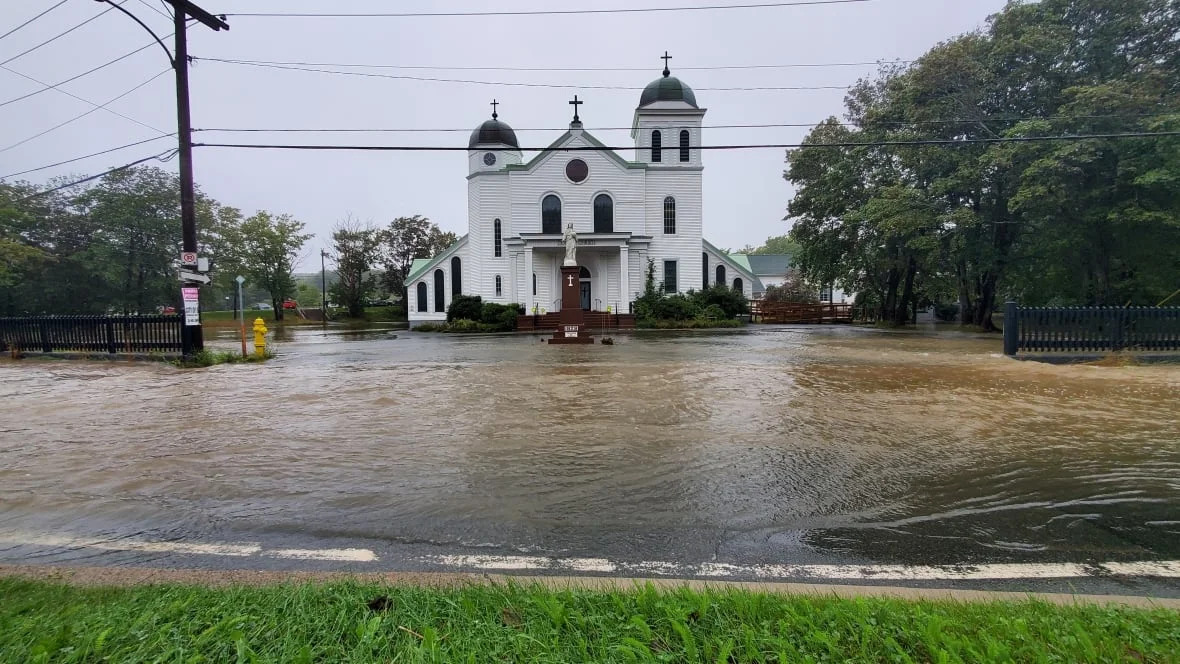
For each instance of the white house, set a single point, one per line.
(625, 212)
(771, 270)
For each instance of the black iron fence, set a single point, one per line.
(1089, 329)
(96, 334)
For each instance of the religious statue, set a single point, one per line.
(570, 238)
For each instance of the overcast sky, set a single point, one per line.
(745, 194)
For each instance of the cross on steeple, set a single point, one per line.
(575, 103)
(666, 58)
(494, 102)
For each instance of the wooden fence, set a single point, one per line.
(790, 312)
(96, 334)
(1081, 329)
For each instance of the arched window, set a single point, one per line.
(738, 285)
(551, 214)
(499, 286)
(684, 138)
(704, 270)
(657, 142)
(669, 216)
(720, 274)
(604, 214)
(456, 277)
(496, 237)
(440, 292)
(422, 305)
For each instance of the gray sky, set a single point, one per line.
(745, 194)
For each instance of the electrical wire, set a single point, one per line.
(57, 36)
(435, 79)
(567, 69)
(162, 156)
(773, 125)
(33, 19)
(87, 101)
(755, 146)
(93, 154)
(82, 115)
(154, 8)
(78, 76)
(550, 12)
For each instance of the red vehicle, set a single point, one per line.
(290, 304)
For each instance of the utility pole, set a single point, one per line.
(323, 287)
(191, 337)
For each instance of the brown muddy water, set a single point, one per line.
(802, 444)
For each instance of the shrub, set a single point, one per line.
(713, 312)
(675, 307)
(946, 312)
(730, 301)
(468, 307)
(431, 327)
(696, 323)
(465, 325)
(501, 316)
(793, 289)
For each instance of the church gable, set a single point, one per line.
(580, 139)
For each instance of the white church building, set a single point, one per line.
(625, 212)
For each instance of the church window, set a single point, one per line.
(576, 170)
(440, 292)
(704, 270)
(534, 283)
(669, 216)
(604, 214)
(656, 144)
(825, 294)
(499, 286)
(456, 277)
(684, 145)
(422, 305)
(721, 274)
(670, 277)
(551, 214)
(496, 237)
(738, 285)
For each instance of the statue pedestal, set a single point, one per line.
(571, 329)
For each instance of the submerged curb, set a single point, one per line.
(126, 576)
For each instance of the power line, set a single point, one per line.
(435, 79)
(84, 100)
(32, 19)
(162, 156)
(93, 154)
(78, 76)
(156, 9)
(82, 115)
(773, 125)
(755, 146)
(550, 12)
(57, 36)
(565, 69)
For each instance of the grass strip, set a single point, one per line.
(353, 621)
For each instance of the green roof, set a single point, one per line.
(742, 260)
(668, 88)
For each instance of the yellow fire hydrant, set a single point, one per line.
(259, 337)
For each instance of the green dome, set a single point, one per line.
(492, 132)
(667, 88)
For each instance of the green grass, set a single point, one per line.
(208, 358)
(42, 622)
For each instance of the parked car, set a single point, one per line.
(290, 304)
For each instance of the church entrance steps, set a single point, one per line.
(592, 320)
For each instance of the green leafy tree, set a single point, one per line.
(357, 248)
(778, 244)
(266, 247)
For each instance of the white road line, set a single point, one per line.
(347, 555)
(980, 572)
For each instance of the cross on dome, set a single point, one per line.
(575, 103)
(666, 58)
(494, 103)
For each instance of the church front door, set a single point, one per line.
(586, 294)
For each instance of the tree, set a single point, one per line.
(357, 248)
(405, 239)
(793, 289)
(266, 247)
(778, 244)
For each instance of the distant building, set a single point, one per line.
(625, 212)
(771, 270)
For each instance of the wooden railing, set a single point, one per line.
(97, 334)
(791, 312)
(1065, 329)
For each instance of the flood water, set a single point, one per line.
(782, 445)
